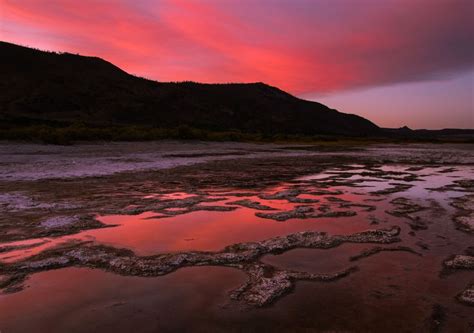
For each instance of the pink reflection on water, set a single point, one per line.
(80, 299)
(213, 230)
(201, 230)
(208, 231)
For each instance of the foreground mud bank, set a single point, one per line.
(264, 285)
(312, 221)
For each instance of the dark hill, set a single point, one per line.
(60, 89)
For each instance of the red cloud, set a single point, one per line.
(302, 46)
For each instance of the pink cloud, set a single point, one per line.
(301, 46)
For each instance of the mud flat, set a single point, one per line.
(464, 219)
(299, 238)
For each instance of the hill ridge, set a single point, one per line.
(64, 88)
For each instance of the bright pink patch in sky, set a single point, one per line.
(305, 47)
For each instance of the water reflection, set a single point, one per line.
(401, 286)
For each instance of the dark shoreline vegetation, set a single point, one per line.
(77, 133)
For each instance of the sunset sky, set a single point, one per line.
(396, 62)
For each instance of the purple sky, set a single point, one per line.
(396, 62)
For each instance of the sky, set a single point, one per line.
(395, 62)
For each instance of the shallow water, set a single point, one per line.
(391, 291)
(38, 161)
(34, 161)
(82, 300)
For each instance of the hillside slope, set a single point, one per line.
(60, 89)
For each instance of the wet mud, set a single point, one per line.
(264, 285)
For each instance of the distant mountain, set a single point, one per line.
(447, 133)
(40, 87)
